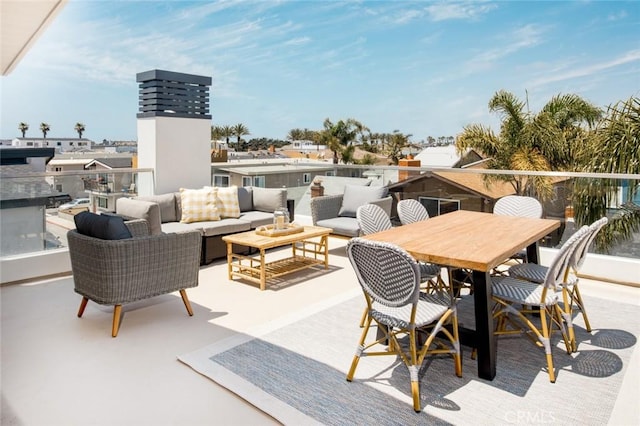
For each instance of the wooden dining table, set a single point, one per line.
(478, 242)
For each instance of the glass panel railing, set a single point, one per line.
(572, 198)
(37, 209)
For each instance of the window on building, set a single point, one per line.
(58, 187)
(71, 143)
(102, 202)
(59, 143)
(29, 143)
(328, 173)
(259, 181)
(306, 178)
(247, 181)
(221, 180)
(57, 169)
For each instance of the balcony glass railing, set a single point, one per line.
(32, 223)
(37, 208)
(573, 198)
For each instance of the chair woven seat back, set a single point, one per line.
(411, 210)
(372, 218)
(559, 268)
(580, 253)
(386, 273)
(517, 205)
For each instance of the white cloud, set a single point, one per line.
(446, 11)
(589, 70)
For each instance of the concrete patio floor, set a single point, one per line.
(58, 369)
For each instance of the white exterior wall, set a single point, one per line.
(178, 149)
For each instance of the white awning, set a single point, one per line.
(21, 23)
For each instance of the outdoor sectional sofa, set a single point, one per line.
(163, 213)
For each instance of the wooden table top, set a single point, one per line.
(465, 239)
(251, 239)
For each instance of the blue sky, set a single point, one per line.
(423, 68)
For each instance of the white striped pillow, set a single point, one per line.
(199, 205)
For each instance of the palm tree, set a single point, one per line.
(44, 128)
(614, 148)
(343, 134)
(23, 127)
(240, 130)
(226, 132)
(295, 135)
(79, 127)
(529, 141)
(396, 141)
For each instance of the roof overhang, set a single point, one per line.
(21, 23)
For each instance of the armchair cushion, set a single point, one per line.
(105, 227)
(358, 195)
(199, 205)
(269, 199)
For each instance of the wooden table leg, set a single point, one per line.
(325, 241)
(263, 272)
(230, 260)
(485, 339)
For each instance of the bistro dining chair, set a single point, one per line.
(410, 211)
(372, 218)
(518, 302)
(521, 206)
(570, 291)
(390, 281)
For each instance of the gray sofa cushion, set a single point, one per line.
(167, 203)
(245, 198)
(268, 199)
(140, 209)
(346, 226)
(209, 228)
(358, 195)
(256, 218)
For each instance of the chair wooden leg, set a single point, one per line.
(547, 344)
(83, 304)
(117, 310)
(578, 298)
(185, 299)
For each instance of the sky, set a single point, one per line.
(423, 68)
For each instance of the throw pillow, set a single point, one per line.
(358, 195)
(105, 227)
(198, 205)
(227, 201)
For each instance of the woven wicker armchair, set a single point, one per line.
(115, 272)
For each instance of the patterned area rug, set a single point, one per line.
(295, 371)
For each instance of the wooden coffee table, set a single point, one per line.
(306, 253)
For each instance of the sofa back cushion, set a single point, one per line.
(105, 227)
(269, 199)
(199, 205)
(358, 195)
(140, 209)
(167, 203)
(245, 198)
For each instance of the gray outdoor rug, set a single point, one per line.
(295, 370)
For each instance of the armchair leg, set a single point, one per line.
(117, 310)
(185, 299)
(83, 304)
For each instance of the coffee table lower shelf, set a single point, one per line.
(249, 268)
(308, 249)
